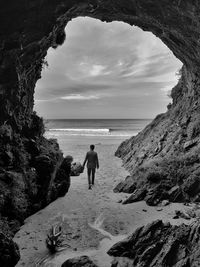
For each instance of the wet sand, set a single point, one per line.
(92, 220)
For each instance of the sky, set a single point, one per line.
(106, 70)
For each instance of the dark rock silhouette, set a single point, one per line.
(79, 261)
(27, 30)
(9, 252)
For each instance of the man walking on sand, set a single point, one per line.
(92, 163)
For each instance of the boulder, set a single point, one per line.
(180, 214)
(76, 169)
(152, 199)
(154, 177)
(138, 195)
(79, 261)
(156, 194)
(60, 188)
(121, 262)
(127, 186)
(175, 194)
(6, 133)
(119, 187)
(165, 202)
(191, 186)
(44, 164)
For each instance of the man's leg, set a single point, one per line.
(93, 175)
(89, 174)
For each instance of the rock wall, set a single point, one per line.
(30, 178)
(28, 162)
(164, 159)
(158, 244)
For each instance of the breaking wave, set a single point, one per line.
(88, 132)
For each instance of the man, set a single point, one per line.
(92, 163)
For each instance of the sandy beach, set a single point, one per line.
(92, 220)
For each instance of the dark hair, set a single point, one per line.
(92, 147)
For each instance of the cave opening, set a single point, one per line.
(106, 70)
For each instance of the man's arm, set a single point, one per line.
(97, 161)
(85, 160)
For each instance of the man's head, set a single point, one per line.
(92, 147)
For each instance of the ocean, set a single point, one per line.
(75, 136)
(95, 127)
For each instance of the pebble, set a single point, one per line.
(159, 209)
(76, 237)
(165, 202)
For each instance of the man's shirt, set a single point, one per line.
(92, 159)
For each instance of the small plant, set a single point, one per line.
(59, 39)
(170, 104)
(45, 63)
(154, 177)
(179, 72)
(53, 241)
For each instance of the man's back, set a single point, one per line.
(92, 159)
(92, 163)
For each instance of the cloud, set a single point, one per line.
(79, 97)
(112, 63)
(42, 100)
(96, 70)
